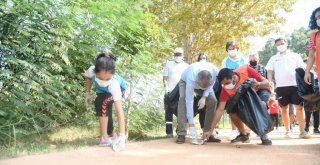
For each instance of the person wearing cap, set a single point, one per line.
(198, 78)
(171, 76)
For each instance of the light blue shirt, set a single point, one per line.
(190, 78)
(233, 64)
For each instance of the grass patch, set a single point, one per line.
(62, 139)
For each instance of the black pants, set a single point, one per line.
(275, 120)
(315, 119)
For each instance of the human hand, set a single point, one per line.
(202, 103)
(193, 131)
(307, 77)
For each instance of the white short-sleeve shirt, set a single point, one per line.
(284, 68)
(113, 88)
(173, 71)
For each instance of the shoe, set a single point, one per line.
(316, 131)
(213, 139)
(241, 138)
(119, 144)
(105, 142)
(288, 135)
(306, 129)
(169, 136)
(181, 139)
(234, 134)
(265, 140)
(304, 135)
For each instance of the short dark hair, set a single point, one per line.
(105, 62)
(225, 73)
(231, 43)
(280, 39)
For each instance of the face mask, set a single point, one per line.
(203, 60)
(233, 53)
(178, 59)
(103, 83)
(282, 48)
(318, 22)
(231, 85)
(253, 63)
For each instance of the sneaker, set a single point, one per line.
(213, 139)
(265, 140)
(306, 129)
(181, 139)
(105, 142)
(304, 135)
(316, 131)
(288, 135)
(118, 146)
(234, 134)
(241, 138)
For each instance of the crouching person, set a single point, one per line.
(230, 81)
(198, 77)
(109, 87)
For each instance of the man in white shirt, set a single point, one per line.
(171, 76)
(284, 64)
(198, 78)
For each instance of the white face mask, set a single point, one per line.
(282, 48)
(233, 53)
(230, 86)
(103, 83)
(318, 22)
(178, 59)
(203, 60)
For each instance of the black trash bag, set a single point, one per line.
(171, 100)
(250, 109)
(310, 93)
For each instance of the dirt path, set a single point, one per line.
(282, 152)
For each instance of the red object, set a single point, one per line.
(273, 106)
(314, 44)
(244, 72)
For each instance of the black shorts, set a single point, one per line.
(103, 104)
(288, 95)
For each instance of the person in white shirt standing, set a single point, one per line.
(171, 76)
(284, 64)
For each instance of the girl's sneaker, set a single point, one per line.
(119, 143)
(105, 142)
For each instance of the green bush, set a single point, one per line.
(45, 47)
